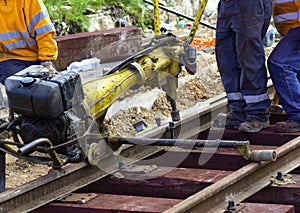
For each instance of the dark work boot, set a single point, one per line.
(226, 121)
(288, 126)
(253, 125)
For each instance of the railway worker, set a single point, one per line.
(284, 62)
(241, 26)
(26, 36)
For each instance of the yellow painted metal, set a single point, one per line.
(100, 93)
(196, 23)
(156, 17)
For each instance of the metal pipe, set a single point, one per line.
(172, 133)
(32, 146)
(243, 147)
(263, 155)
(2, 171)
(180, 142)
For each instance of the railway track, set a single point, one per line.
(160, 179)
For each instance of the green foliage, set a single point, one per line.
(73, 12)
(136, 9)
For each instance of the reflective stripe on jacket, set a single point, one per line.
(286, 15)
(26, 31)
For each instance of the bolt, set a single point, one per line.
(163, 30)
(122, 165)
(175, 115)
(158, 121)
(231, 205)
(279, 176)
(172, 127)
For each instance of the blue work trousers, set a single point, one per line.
(241, 26)
(10, 67)
(284, 69)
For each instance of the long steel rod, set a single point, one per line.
(180, 142)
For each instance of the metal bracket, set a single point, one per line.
(77, 198)
(139, 169)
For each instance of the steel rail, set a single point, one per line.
(60, 182)
(65, 180)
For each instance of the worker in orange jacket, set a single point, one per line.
(284, 62)
(26, 36)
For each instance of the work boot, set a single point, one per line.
(288, 126)
(227, 121)
(253, 125)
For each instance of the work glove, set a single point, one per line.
(50, 66)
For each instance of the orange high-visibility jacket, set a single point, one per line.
(286, 15)
(26, 31)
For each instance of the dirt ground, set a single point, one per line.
(206, 83)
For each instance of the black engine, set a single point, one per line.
(44, 104)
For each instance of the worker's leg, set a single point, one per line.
(254, 76)
(250, 26)
(284, 68)
(226, 57)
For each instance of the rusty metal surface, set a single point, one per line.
(77, 198)
(218, 161)
(107, 45)
(113, 203)
(178, 183)
(107, 203)
(264, 208)
(240, 184)
(265, 137)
